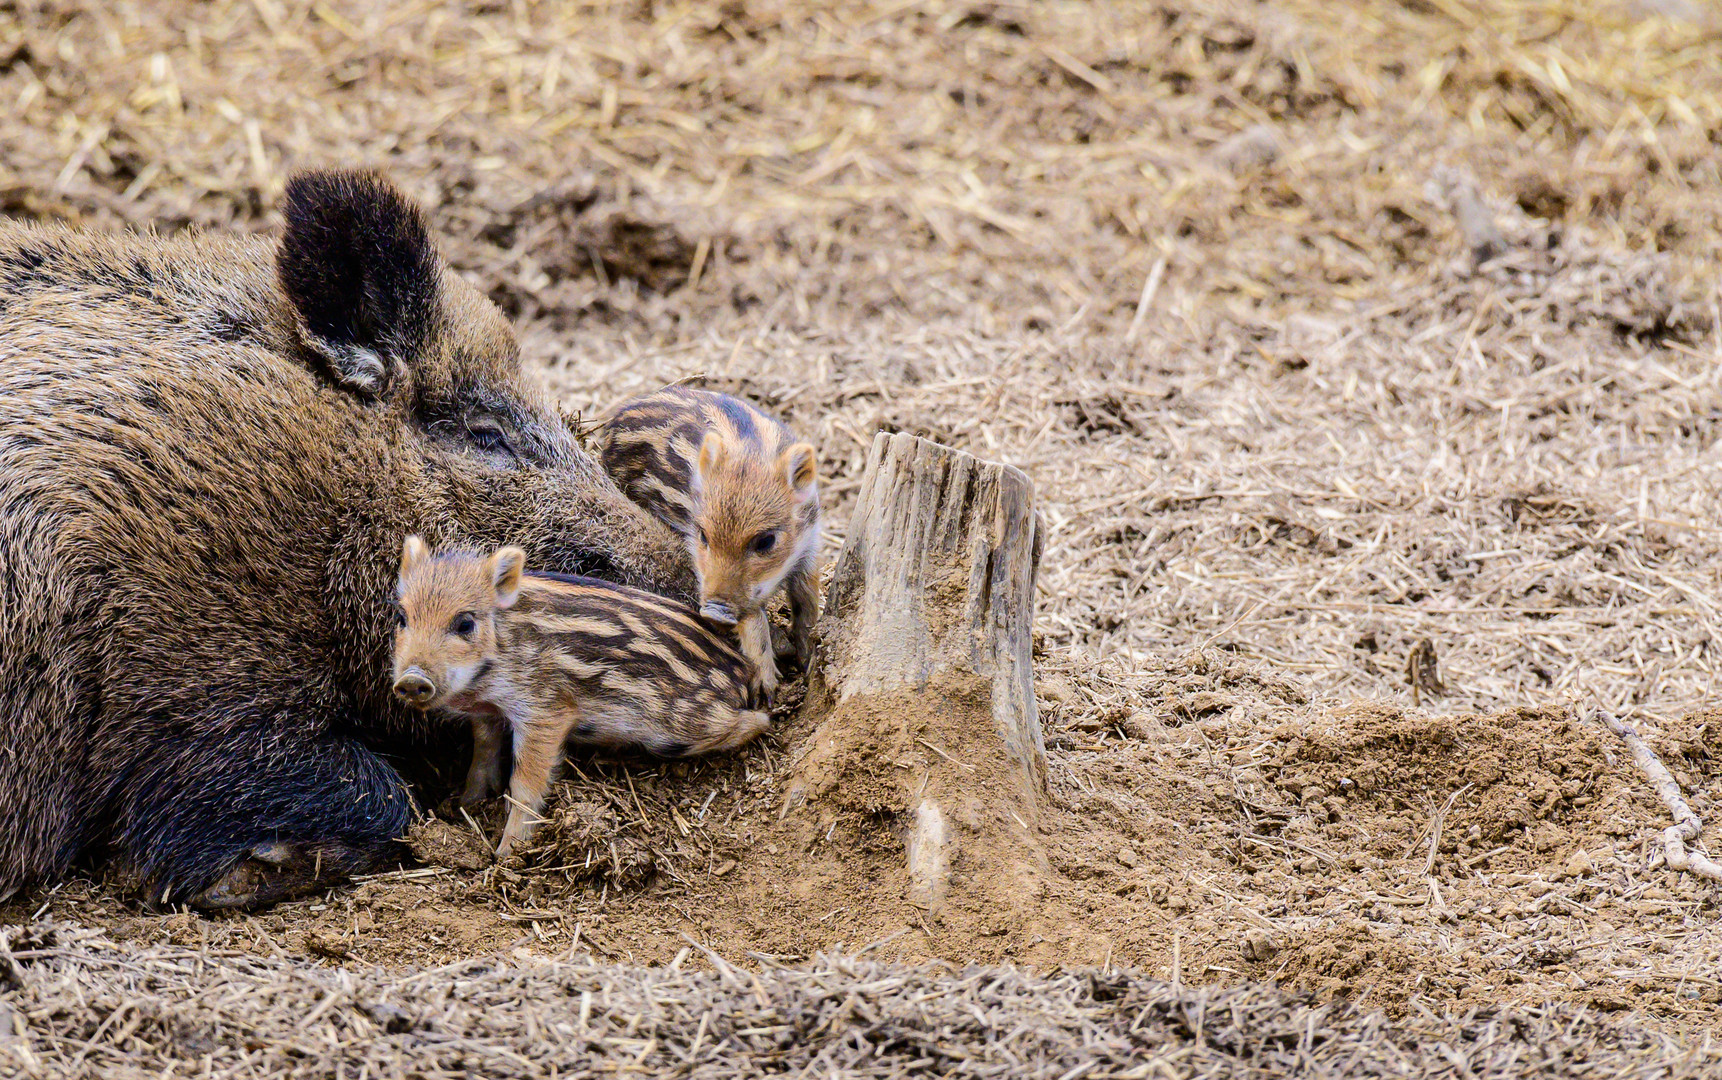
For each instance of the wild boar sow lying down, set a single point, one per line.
(210, 449)
(558, 659)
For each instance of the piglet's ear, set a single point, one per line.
(506, 568)
(413, 552)
(799, 468)
(357, 263)
(712, 452)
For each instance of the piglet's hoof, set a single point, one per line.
(761, 697)
(792, 650)
(269, 874)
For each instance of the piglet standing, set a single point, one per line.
(743, 492)
(559, 658)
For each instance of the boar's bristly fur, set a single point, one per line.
(211, 448)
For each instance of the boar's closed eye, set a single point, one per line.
(490, 438)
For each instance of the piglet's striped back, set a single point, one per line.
(625, 641)
(649, 444)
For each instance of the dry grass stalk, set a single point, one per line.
(1687, 826)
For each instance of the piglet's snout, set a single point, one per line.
(413, 688)
(719, 612)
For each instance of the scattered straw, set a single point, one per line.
(88, 1005)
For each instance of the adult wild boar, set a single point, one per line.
(210, 450)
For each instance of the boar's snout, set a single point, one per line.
(414, 689)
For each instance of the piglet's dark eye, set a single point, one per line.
(703, 541)
(400, 619)
(464, 624)
(764, 542)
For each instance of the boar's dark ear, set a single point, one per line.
(357, 263)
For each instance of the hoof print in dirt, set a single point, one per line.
(438, 843)
(611, 847)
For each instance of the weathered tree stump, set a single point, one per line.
(922, 683)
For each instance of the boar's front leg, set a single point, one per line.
(239, 816)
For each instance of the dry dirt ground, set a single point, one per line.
(1331, 336)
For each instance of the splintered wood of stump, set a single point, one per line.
(923, 680)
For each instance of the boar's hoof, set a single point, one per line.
(276, 854)
(238, 888)
(272, 873)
